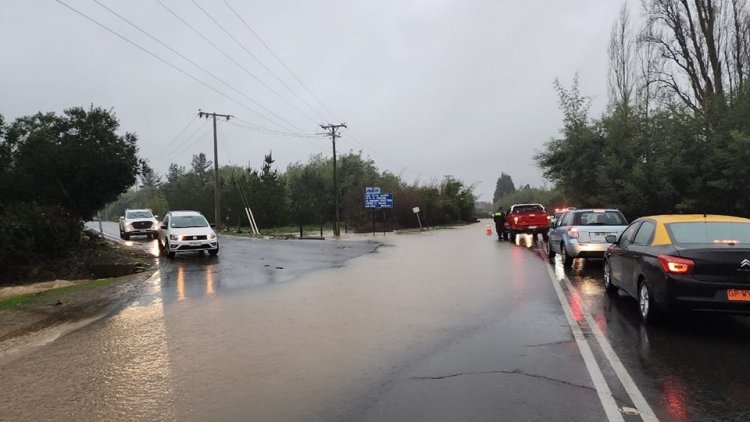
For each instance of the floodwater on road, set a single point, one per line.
(254, 335)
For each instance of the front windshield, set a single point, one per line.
(184, 221)
(139, 214)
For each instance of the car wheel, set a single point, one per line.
(646, 305)
(566, 258)
(550, 252)
(512, 238)
(126, 237)
(611, 288)
(122, 235)
(170, 254)
(545, 236)
(214, 252)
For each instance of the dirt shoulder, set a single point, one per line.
(26, 313)
(95, 278)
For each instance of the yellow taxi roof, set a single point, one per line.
(686, 218)
(662, 238)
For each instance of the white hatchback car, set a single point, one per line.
(186, 231)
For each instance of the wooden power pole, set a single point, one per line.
(217, 191)
(333, 134)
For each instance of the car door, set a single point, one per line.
(633, 261)
(555, 234)
(619, 253)
(163, 231)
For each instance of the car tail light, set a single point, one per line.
(573, 232)
(515, 220)
(676, 265)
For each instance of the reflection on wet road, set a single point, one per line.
(444, 325)
(690, 367)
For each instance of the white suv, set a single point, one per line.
(185, 231)
(138, 222)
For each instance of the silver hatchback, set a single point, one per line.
(581, 233)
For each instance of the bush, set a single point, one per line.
(30, 232)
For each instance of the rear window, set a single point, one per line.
(523, 209)
(599, 218)
(709, 232)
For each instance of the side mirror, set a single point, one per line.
(213, 225)
(163, 226)
(122, 218)
(611, 238)
(156, 217)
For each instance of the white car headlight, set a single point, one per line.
(212, 236)
(174, 237)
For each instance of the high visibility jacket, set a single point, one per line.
(499, 217)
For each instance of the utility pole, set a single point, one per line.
(333, 134)
(217, 193)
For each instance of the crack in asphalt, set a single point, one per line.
(514, 371)
(554, 343)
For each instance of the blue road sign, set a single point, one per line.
(379, 200)
(372, 190)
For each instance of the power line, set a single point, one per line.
(228, 56)
(260, 62)
(187, 147)
(309, 138)
(270, 50)
(190, 123)
(158, 57)
(222, 81)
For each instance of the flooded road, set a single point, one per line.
(439, 325)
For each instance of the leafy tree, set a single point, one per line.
(149, 178)
(504, 186)
(76, 160)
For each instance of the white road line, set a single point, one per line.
(602, 388)
(627, 381)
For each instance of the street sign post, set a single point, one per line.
(375, 199)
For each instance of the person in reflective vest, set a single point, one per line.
(499, 218)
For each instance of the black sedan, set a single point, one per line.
(696, 262)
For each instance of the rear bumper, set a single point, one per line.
(586, 250)
(687, 293)
(530, 229)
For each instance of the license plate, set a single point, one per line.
(738, 295)
(532, 227)
(195, 243)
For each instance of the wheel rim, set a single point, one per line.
(644, 301)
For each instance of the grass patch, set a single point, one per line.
(19, 301)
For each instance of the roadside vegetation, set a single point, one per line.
(675, 137)
(301, 196)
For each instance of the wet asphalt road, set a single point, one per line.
(446, 325)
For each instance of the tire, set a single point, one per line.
(213, 252)
(126, 236)
(545, 236)
(566, 258)
(122, 235)
(169, 253)
(611, 288)
(550, 252)
(646, 305)
(512, 237)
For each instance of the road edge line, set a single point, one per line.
(595, 372)
(647, 413)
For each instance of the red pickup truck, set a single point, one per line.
(527, 218)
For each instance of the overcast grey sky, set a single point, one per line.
(427, 87)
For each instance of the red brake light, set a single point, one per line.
(676, 265)
(573, 232)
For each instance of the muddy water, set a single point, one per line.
(311, 348)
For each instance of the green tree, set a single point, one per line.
(504, 186)
(76, 160)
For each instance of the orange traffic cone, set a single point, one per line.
(489, 230)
